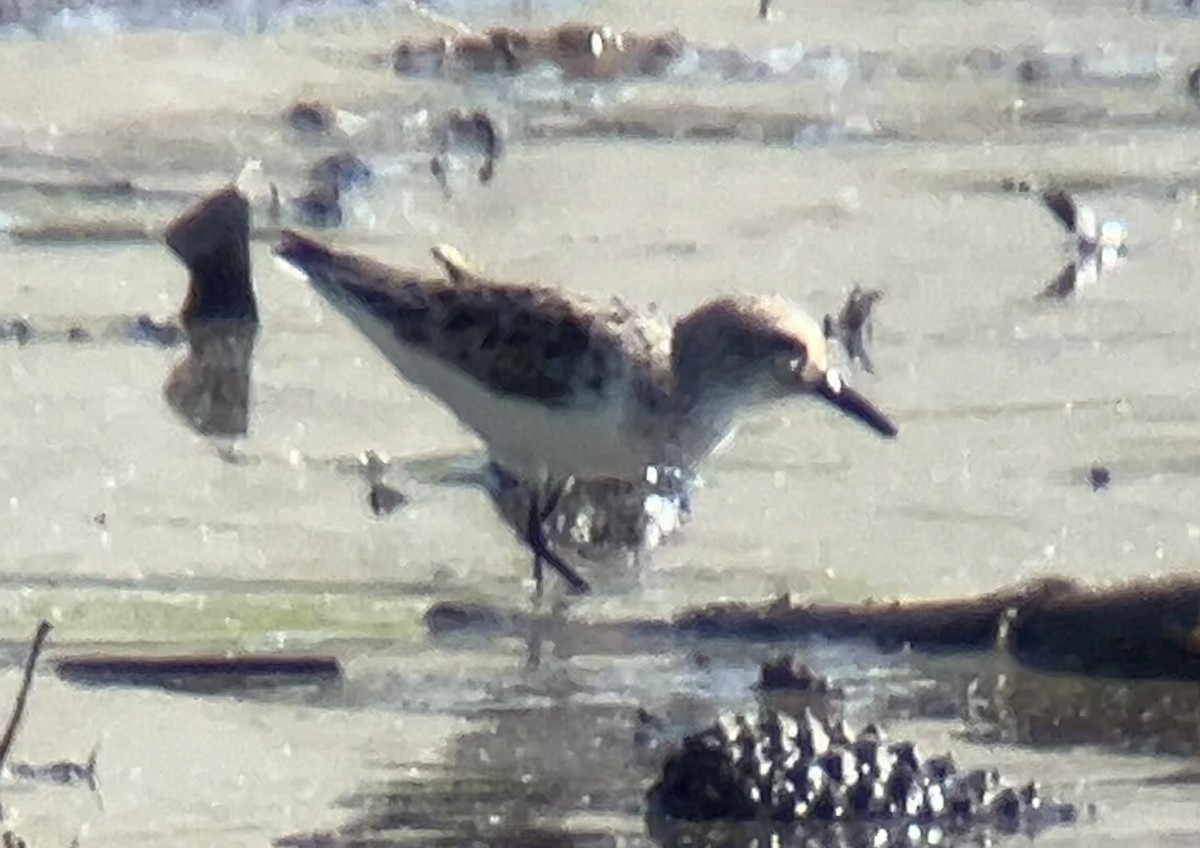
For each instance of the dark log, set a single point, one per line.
(1144, 630)
(197, 671)
(959, 625)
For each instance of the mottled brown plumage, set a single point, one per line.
(536, 343)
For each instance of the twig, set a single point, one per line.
(14, 721)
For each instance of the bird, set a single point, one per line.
(853, 327)
(1096, 250)
(560, 386)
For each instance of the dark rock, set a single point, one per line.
(145, 330)
(17, 330)
(210, 389)
(343, 169)
(320, 206)
(384, 500)
(309, 116)
(450, 617)
(784, 672)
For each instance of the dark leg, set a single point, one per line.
(437, 166)
(539, 510)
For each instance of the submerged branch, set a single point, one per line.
(14, 721)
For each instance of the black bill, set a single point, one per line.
(856, 406)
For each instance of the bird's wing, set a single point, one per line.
(515, 339)
(1062, 205)
(1062, 285)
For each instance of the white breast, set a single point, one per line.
(526, 437)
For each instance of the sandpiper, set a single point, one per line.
(560, 386)
(1096, 249)
(853, 327)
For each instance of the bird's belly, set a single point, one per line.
(524, 436)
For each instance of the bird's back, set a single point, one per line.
(540, 347)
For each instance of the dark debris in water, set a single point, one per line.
(785, 672)
(206, 673)
(800, 776)
(1099, 477)
(853, 327)
(138, 329)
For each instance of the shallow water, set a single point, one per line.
(1003, 403)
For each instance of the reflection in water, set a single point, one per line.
(509, 782)
(570, 773)
(210, 389)
(574, 771)
(1017, 705)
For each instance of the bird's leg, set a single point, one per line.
(541, 506)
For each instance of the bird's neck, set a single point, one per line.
(704, 417)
